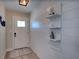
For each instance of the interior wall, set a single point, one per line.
(9, 15)
(40, 32)
(2, 33)
(70, 29)
(70, 32)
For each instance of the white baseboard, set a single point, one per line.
(3, 55)
(10, 49)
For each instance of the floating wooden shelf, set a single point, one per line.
(55, 28)
(53, 16)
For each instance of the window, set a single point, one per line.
(20, 23)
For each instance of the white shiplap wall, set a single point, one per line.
(40, 37)
(70, 32)
(70, 29)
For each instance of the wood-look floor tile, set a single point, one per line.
(32, 56)
(13, 54)
(21, 52)
(18, 58)
(26, 51)
(25, 57)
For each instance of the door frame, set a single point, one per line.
(13, 30)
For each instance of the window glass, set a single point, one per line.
(20, 23)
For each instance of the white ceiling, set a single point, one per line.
(14, 5)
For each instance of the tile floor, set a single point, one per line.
(23, 53)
